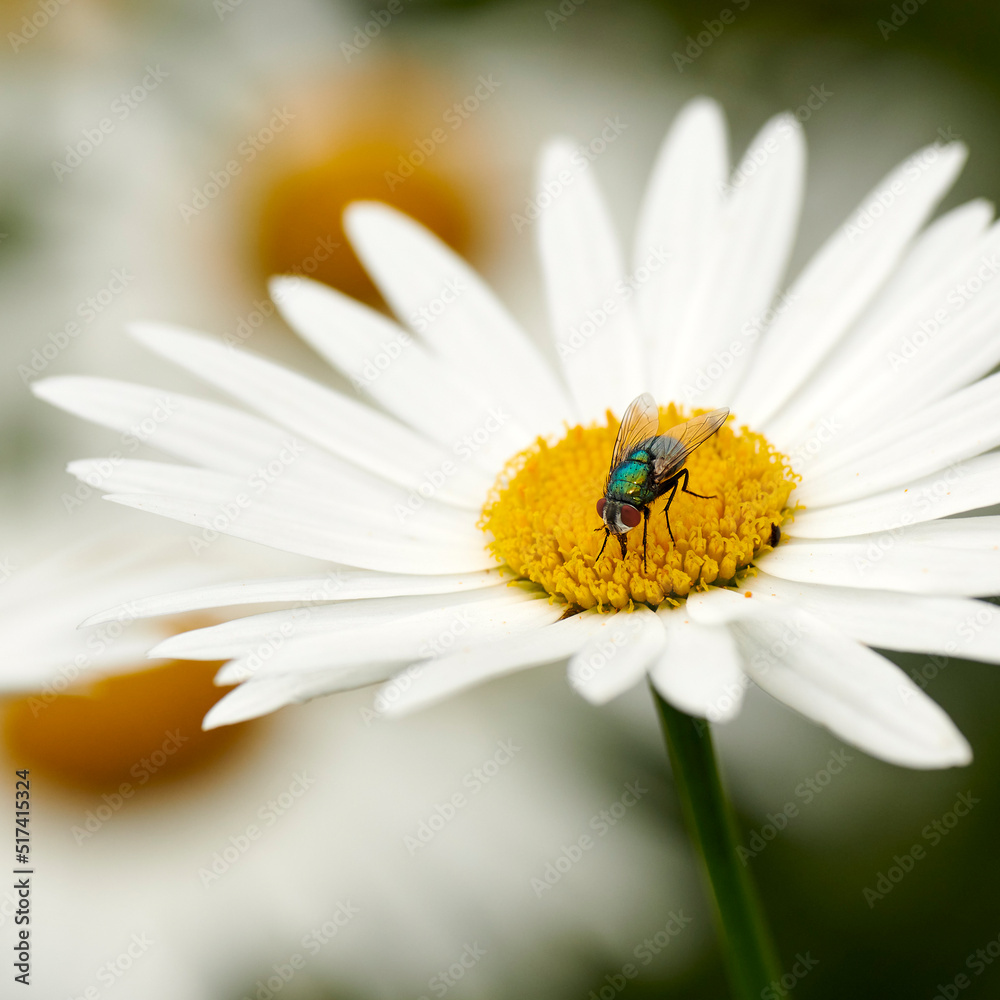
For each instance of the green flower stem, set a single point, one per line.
(750, 956)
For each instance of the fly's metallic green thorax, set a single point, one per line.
(632, 480)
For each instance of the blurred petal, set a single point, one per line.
(440, 296)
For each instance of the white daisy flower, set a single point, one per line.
(122, 779)
(484, 460)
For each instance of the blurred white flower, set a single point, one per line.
(324, 844)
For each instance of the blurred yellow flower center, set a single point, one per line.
(301, 228)
(133, 729)
(542, 517)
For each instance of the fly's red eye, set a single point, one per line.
(630, 516)
(601, 504)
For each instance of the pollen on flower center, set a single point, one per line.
(541, 517)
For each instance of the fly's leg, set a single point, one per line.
(599, 554)
(645, 525)
(685, 489)
(623, 542)
(666, 510)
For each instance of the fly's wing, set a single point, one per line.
(670, 450)
(640, 423)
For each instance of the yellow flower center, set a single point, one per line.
(542, 518)
(127, 728)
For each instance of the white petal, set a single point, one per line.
(944, 626)
(208, 434)
(959, 557)
(956, 345)
(680, 219)
(956, 428)
(243, 635)
(384, 510)
(400, 374)
(435, 680)
(440, 296)
(340, 583)
(260, 697)
(616, 658)
(924, 367)
(959, 488)
(851, 690)
(700, 670)
(843, 276)
(351, 430)
(270, 524)
(760, 217)
(396, 639)
(918, 287)
(583, 267)
(205, 433)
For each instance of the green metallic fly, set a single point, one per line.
(646, 465)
